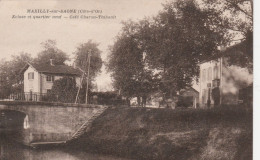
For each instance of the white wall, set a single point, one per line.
(34, 84)
(205, 67)
(31, 84)
(232, 78)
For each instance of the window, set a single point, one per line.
(216, 72)
(31, 75)
(209, 74)
(49, 78)
(203, 75)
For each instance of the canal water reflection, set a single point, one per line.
(11, 150)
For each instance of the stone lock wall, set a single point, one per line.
(51, 123)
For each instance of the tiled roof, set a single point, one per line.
(55, 69)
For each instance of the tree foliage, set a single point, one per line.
(164, 50)
(237, 16)
(17, 62)
(83, 51)
(50, 51)
(127, 63)
(10, 76)
(180, 38)
(81, 54)
(64, 90)
(237, 24)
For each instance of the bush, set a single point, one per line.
(185, 101)
(107, 98)
(63, 90)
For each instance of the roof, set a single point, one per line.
(189, 89)
(53, 69)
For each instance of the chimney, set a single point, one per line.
(52, 62)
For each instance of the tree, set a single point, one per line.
(50, 51)
(237, 16)
(237, 22)
(11, 78)
(16, 63)
(176, 41)
(164, 51)
(64, 90)
(5, 84)
(89, 49)
(81, 55)
(127, 64)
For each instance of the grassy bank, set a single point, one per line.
(141, 133)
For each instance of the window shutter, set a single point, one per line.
(31, 75)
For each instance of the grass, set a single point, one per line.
(142, 133)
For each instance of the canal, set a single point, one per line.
(12, 149)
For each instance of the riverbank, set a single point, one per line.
(142, 133)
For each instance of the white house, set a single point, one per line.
(38, 79)
(222, 82)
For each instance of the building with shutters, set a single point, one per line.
(224, 83)
(38, 79)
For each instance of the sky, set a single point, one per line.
(26, 34)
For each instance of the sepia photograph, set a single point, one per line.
(126, 80)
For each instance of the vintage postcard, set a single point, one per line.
(118, 79)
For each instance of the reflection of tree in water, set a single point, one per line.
(12, 124)
(10, 149)
(13, 127)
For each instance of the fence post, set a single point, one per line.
(30, 96)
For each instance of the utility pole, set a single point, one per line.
(82, 77)
(89, 55)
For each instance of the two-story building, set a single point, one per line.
(222, 82)
(38, 79)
